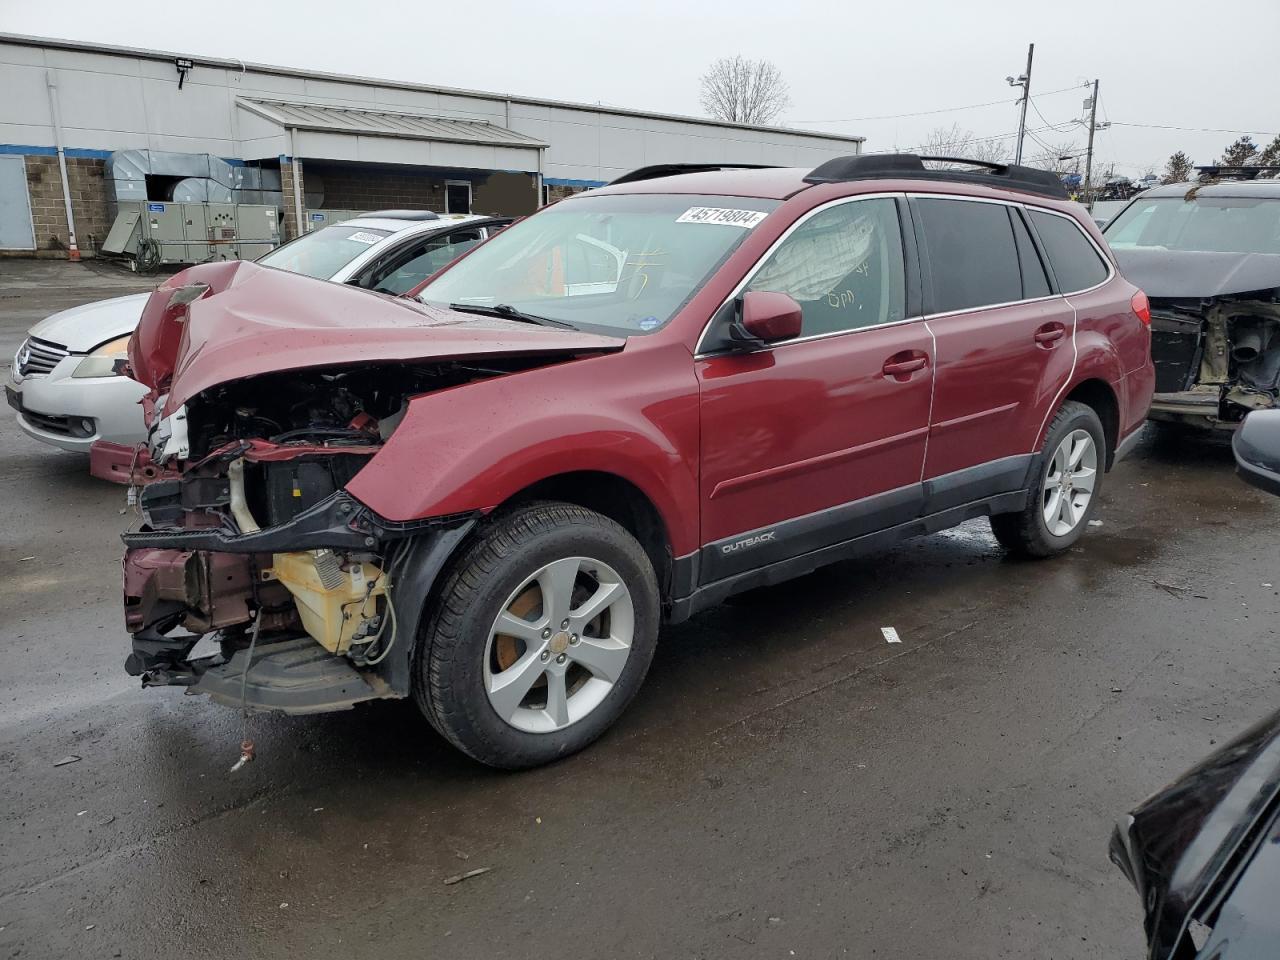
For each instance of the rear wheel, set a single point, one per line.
(1061, 501)
(542, 635)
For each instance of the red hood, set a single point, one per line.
(218, 322)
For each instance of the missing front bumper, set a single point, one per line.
(294, 676)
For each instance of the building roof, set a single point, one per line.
(385, 123)
(232, 64)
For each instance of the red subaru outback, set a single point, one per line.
(616, 413)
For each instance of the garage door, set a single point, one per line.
(15, 208)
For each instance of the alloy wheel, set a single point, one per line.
(1069, 482)
(558, 645)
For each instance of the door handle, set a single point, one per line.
(1050, 334)
(902, 365)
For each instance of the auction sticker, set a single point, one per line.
(364, 237)
(723, 215)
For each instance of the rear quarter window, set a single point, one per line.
(1076, 264)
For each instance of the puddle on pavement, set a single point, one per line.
(1119, 550)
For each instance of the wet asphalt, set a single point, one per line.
(786, 783)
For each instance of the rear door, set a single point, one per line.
(1005, 346)
(817, 440)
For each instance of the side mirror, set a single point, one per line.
(767, 317)
(1257, 449)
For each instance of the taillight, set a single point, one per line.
(1141, 307)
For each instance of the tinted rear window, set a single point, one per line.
(1075, 262)
(972, 258)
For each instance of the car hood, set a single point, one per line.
(90, 325)
(1172, 274)
(1183, 845)
(219, 322)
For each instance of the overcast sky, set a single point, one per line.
(1170, 64)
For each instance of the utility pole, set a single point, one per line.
(1024, 82)
(1088, 161)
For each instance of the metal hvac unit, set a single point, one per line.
(258, 229)
(315, 219)
(152, 233)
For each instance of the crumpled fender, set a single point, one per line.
(633, 414)
(160, 336)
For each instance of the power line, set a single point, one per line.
(1054, 127)
(1166, 126)
(926, 113)
(960, 143)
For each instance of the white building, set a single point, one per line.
(351, 142)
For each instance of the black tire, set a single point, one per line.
(1025, 532)
(449, 683)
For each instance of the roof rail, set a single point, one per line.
(910, 166)
(659, 170)
(1227, 172)
(403, 214)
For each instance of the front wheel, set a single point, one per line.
(1062, 499)
(542, 635)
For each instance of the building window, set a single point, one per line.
(457, 196)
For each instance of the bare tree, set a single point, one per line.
(955, 141)
(744, 91)
(1060, 158)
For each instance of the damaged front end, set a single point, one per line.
(1216, 358)
(254, 576)
(257, 545)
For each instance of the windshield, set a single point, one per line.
(616, 262)
(1216, 224)
(326, 251)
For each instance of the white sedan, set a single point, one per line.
(67, 383)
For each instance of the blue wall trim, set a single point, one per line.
(559, 182)
(82, 152)
(29, 150)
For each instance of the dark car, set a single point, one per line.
(1204, 853)
(1208, 257)
(614, 414)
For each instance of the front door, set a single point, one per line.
(16, 232)
(1004, 347)
(818, 440)
(457, 196)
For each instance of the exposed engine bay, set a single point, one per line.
(256, 542)
(1216, 358)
